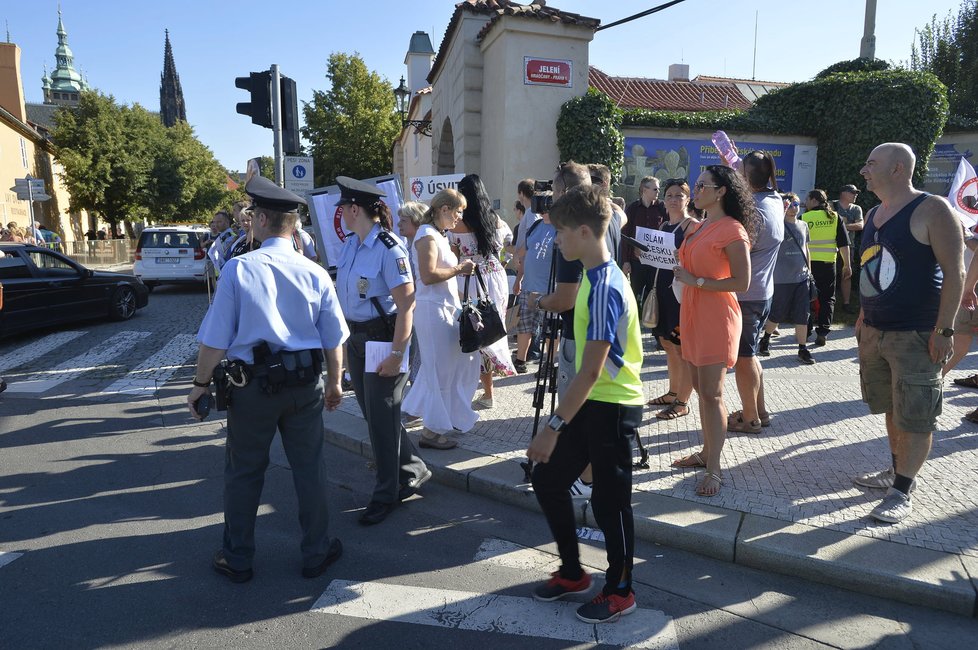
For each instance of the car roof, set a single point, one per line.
(173, 228)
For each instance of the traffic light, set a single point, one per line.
(290, 117)
(260, 106)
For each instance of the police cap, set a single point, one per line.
(267, 194)
(357, 192)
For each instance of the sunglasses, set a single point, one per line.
(700, 186)
(794, 204)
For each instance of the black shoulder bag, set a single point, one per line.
(480, 324)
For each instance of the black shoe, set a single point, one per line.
(3, 384)
(411, 488)
(819, 341)
(805, 356)
(346, 385)
(519, 365)
(375, 513)
(333, 554)
(764, 347)
(221, 565)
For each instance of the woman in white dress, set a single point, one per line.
(481, 236)
(442, 392)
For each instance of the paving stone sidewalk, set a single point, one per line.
(800, 469)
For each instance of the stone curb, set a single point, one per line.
(881, 568)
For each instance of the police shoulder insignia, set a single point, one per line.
(402, 265)
(389, 240)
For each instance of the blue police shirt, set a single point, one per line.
(275, 295)
(370, 270)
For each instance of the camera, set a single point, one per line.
(543, 197)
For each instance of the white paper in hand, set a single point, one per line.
(377, 351)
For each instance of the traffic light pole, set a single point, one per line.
(276, 89)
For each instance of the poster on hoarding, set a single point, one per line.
(686, 158)
(423, 188)
(327, 217)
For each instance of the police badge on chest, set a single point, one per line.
(362, 285)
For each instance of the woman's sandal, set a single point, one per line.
(967, 382)
(436, 442)
(708, 479)
(739, 416)
(663, 400)
(693, 460)
(677, 409)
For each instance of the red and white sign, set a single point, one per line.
(547, 72)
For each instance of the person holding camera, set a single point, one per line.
(376, 291)
(276, 301)
(536, 262)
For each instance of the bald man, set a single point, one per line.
(910, 286)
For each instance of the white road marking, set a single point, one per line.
(31, 351)
(78, 366)
(7, 558)
(464, 610)
(157, 369)
(514, 556)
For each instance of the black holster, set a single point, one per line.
(285, 368)
(222, 387)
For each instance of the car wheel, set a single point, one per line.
(123, 303)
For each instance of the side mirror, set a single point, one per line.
(89, 273)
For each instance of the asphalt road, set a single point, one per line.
(113, 503)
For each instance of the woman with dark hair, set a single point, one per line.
(829, 239)
(676, 400)
(714, 264)
(481, 236)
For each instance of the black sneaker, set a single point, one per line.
(607, 608)
(805, 356)
(557, 587)
(764, 347)
(819, 341)
(520, 366)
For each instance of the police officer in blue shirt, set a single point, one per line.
(277, 320)
(376, 292)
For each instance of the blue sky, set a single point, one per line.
(118, 44)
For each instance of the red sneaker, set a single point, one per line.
(557, 587)
(607, 608)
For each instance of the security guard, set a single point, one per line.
(277, 319)
(376, 292)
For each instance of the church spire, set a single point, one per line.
(172, 107)
(65, 82)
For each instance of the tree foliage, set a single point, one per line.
(120, 162)
(589, 131)
(351, 126)
(947, 49)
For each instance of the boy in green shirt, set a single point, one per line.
(597, 417)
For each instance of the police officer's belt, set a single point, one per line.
(285, 367)
(376, 329)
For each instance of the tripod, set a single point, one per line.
(547, 370)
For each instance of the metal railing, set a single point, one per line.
(100, 252)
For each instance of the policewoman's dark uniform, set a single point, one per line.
(274, 312)
(366, 272)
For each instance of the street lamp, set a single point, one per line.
(402, 95)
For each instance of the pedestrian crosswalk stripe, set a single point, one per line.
(514, 556)
(157, 369)
(79, 365)
(31, 351)
(463, 610)
(7, 558)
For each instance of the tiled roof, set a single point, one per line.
(41, 115)
(658, 94)
(495, 9)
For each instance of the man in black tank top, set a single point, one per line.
(910, 286)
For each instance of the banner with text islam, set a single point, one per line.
(662, 247)
(327, 217)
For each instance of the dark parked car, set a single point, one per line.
(42, 287)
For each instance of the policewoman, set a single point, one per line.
(276, 319)
(376, 292)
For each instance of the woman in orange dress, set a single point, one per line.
(714, 264)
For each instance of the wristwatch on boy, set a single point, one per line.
(556, 423)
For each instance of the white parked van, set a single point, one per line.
(171, 254)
